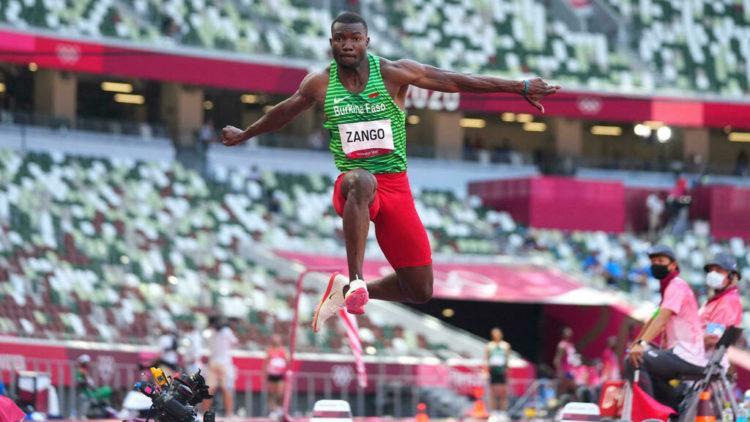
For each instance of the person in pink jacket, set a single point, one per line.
(682, 353)
(724, 307)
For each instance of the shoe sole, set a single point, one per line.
(355, 301)
(323, 299)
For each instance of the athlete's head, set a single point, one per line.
(497, 334)
(276, 340)
(349, 39)
(567, 333)
(611, 342)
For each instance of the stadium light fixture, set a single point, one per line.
(249, 99)
(534, 127)
(122, 87)
(524, 118)
(413, 119)
(664, 134)
(130, 99)
(472, 123)
(33, 67)
(2, 87)
(739, 137)
(508, 117)
(642, 130)
(606, 130)
(448, 312)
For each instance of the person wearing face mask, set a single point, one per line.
(724, 308)
(682, 353)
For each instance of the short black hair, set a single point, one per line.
(348, 17)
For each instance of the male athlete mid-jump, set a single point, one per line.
(363, 99)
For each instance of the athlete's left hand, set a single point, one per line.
(538, 89)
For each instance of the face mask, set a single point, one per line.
(659, 271)
(715, 280)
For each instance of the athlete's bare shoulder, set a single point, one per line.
(402, 71)
(315, 84)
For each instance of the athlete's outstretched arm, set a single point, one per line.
(277, 117)
(409, 72)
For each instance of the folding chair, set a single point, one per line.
(715, 378)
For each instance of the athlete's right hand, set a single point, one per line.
(231, 135)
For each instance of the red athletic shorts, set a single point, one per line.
(399, 231)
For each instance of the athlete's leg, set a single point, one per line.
(503, 396)
(355, 200)
(407, 284)
(358, 188)
(403, 240)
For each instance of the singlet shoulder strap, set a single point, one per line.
(333, 72)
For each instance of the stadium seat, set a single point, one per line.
(135, 245)
(701, 47)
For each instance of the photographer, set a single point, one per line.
(93, 401)
(220, 367)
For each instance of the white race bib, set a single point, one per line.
(497, 360)
(366, 139)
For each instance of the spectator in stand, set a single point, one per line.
(470, 150)
(484, 154)
(221, 341)
(317, 139)
(501, 154)
(724, 307)
(741, 165)
(171, 29)
(275, 368)
(678, 204)
(614, 273)
(566, 361)
(207, 134)
(655, 206)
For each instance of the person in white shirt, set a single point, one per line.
(193, 351)
(655, 207)
(220, 367)
(168, 344)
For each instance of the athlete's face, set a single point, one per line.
(567, 333)
(497, 335)
(349, 43)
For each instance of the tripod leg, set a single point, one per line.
(728, 390)
(717, 394)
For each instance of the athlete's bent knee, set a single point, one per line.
(359, 186)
